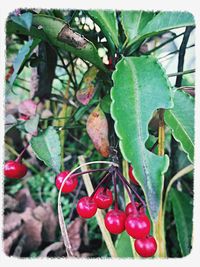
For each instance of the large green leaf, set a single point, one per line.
(162, 22)
(22, 56)
(107, 21)
(46, 146)
(59, 34)
(123, 246)
(133, 23)
(181, 120)
(140, 87)
(183, 210)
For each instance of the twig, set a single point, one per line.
(181, 73)
(181, 55)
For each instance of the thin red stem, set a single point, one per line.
(115, 191)
(18, 159)
(102, 180)
(131, 188)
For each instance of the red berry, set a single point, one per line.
(146, 247)
(138, 226)
(115, 221)
(131, 210)
(14, 169)
(131, 176)
(86, 207)
(69, 185)
(103, 198)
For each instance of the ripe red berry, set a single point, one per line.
(131, 176)
(103, 198)
(69, 185)
(130, 208)
(146, 247)
(86, 207)
(138, 226)
(14, 169)
(115, 221)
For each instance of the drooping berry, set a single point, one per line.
(131, 210)
(131, 176)
(115, 221)
(14, 169)
(146, 247)
(69, 185)
(86, 207)
(103, 198)
(137, 226)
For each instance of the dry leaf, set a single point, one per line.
(97, 128)
(87, 90)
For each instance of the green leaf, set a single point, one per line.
(105, 103)
(140, 87)
(31, 125)
(47, 148)
(133, 23)
(163, 21)
(60, 35)
(181, 120)
(183, 211)
(22, 56)
(123, 246)
(107, 21)
(24, 20)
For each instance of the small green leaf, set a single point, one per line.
(105, 103)
(183, 210)
(162, 22)
(31, 125)
(47, 148)
(24, 20)
(23, 54)
(140, 87)
(123, 246)
(10, 122)
(107, 21)
(181, 120)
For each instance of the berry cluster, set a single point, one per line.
(133, 220)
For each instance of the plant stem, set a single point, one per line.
(18, 159)
(181, 73)
(115, 191)
(132, 189)
(158, 226)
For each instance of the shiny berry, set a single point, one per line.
(114, 221)
(131, 176)
(14, 169)
(146, 247)
(69, 185)
(103, 198)
(130, 209)
(137, 226)
(86, 207)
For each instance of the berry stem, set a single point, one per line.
(89, 171)
(131, 188)
(102, 180)
(18, 159)
(115, 190)
(129, 194)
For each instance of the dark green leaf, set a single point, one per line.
(107, 21)
(105, 103)
(47, 148)
(133, 23)
(181, 120)
(22, 56)
(24, 20)
(31, 125)
(163, 21)
(135, 96)
(183, 210)
(123, 246)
